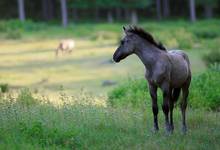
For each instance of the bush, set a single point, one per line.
(212, 57)
(132, 93)
(48, 136)
(206, 34)
(204, 92)
(14, 35)
(178, 38)
(205, 89)
(4, 88)
(25, 98)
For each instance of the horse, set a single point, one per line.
(168, 70)
(65, 46)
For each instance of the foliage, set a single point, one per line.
(205, 89)
(131, 93)
(204, 92)
(208, 2)
(14, 35)
(89, 127)
(212, 57)
(4, 87)
(26, 98)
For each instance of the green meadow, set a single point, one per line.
(61, 103)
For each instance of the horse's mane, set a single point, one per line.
(147, 36)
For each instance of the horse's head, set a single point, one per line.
(125, 48)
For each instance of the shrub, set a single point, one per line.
(204, 92)
(206, 34)
(4, 88)
(25, 98)
(212, 57)
(205, 89)
(132, 93)
(48, 136)
(178, 38)
(184, 38)
(15, 34)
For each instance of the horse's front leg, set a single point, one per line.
(153, 94)
(166, 105)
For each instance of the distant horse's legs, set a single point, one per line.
(183, 104)
(56, 52)
(153, 94)
(166, 103)
(175, 96)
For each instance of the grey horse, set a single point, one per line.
(168, 70)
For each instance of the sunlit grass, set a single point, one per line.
(27, 64)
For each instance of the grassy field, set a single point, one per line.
(29, 61)
(44, 126)
(67, 105)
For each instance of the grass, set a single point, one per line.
(204, 91)
(58, 113)
(68, 126)
(28, 61)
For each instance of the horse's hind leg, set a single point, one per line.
(175, 96)
(166, 104)
(183, 104)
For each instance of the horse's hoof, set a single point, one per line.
(184, 130)
(172, 127)
(169, 130)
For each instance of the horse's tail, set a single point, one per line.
(185, 56)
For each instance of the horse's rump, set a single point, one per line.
(180, 67)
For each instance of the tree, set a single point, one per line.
(208, 7)
(21, 11)
(166, 8)
(133, 5)
(192, 9)
(64, 13)
(77, 5)
(158, 5)
(109, 5)
(47, 9)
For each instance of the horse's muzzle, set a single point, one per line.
(116, 57)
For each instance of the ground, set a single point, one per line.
(33, 64)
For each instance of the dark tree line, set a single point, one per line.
(109, 10)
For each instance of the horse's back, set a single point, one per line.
(180, 66)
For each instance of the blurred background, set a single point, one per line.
(53, 45)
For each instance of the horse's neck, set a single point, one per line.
(149, 56)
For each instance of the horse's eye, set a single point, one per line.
(122, 42)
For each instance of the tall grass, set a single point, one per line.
(204, 92)
(70, 126)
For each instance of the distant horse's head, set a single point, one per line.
(126, 47)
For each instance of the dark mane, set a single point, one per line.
(147, 36)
